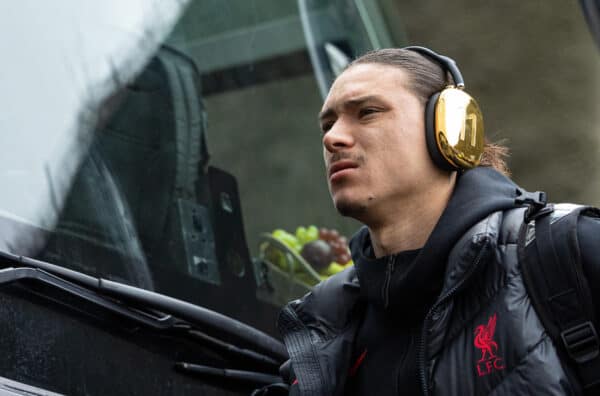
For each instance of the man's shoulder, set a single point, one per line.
(560, 210)
(331, 301)
(513, 218)
(338, 285)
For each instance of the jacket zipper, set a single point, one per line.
(386, 283)
(434, 309)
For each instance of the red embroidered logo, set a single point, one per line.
(489, 361)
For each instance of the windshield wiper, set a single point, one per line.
(11, 275)
(149, 308)
(242, 376)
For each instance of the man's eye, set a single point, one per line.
(367, 111)
(326, 126)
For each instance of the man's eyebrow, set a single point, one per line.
(329, 112)
(348, 103)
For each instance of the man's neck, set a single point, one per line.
(408, 223)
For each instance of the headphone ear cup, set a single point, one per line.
(431, 135)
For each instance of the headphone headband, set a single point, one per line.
(445, 61)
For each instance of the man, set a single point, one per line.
(436, 303)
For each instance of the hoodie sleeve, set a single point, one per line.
(588, 233)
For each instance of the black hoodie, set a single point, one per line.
(324, 328)
(400, 288)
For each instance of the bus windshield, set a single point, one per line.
(162, 143)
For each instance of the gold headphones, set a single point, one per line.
(453, 121)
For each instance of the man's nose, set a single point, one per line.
(339, 137)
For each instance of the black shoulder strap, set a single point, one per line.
(553, 275)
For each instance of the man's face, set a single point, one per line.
(374, 142)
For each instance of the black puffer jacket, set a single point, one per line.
(481, 336)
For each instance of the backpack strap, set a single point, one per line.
(550, 261)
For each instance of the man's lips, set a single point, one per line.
(340, 166)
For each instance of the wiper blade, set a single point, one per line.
(242, 376)
(234, 350)
(11, 275)
(202, 318)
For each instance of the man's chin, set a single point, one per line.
(350, 208)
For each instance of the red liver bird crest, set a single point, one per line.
(484, 335)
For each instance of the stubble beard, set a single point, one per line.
(347, 208)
